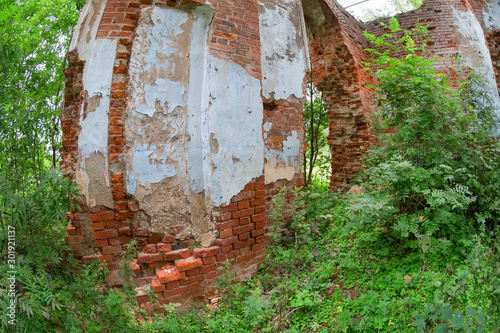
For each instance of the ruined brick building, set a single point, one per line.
(182, 118)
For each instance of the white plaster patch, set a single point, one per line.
(157, 115)
(99, 56)
(235, 120)
(97, 82)
(163, 93)
(474, 51)
(148, 168)
(283, 60)
(87, 26)
(198, 101)
(286, 163)
(492, 15)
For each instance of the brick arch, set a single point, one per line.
(336, 46)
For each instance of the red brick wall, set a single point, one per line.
(337, 53)
(236, 36)
(175, 270)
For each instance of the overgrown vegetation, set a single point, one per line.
(317, 157)
(415, 251)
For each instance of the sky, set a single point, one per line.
(357, 10)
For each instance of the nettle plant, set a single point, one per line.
(437, 165)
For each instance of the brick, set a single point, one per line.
(226, 233)
(243, 228)
(142, 298)
(245, 220)
(133, 207)
(229, 208)
(227, 241)
(208, 268)
(208, 260)
(124, 215)
(258, 246)
(226, 248)
(101, 242)
(258, 217)
(119, 240)
(205, 252)
(164, 247)
(227, 225)
(172, 284)
(193, 272)
(242, 213)
(117, 224)
(125, 231)
(173, 292)
(144, 258)
(150, 248)
(258, 232)
(258, 202)
(154, 239)
(70, 230)
(157, 286)
(117, 178)
(111, 249)
(108, 233)
(165, 276)
(135, 268)
(185, 264)
(156, 257)
(244, 236)
(195, 286)
(243, 204)
(141, 233)
(104, 216)
(192, 280)
(168, 239)
(241, 244)
(177, 255)
(246, 257)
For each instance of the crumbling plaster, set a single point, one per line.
(92, 173)
(491, 14)
(193, 122)
(284, 62)
(474, 51)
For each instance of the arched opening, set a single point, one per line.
(336, 47)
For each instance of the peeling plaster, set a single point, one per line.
(226, 150)
(492, 15)
(235, 120)
(99, 56)
(182, 99)
(474, 51)
(97, 84)
(148, 168)
(283, 164)
(164, 91)
(283, 59)
(98, 181)
(198, 102)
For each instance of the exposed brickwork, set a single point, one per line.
(493, 40)
(236, 34)
(336, 57)
(70, 117)
(173, 266)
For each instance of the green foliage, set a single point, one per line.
(34, 36)
(316, 154)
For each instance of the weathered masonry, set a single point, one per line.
(182, 118)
